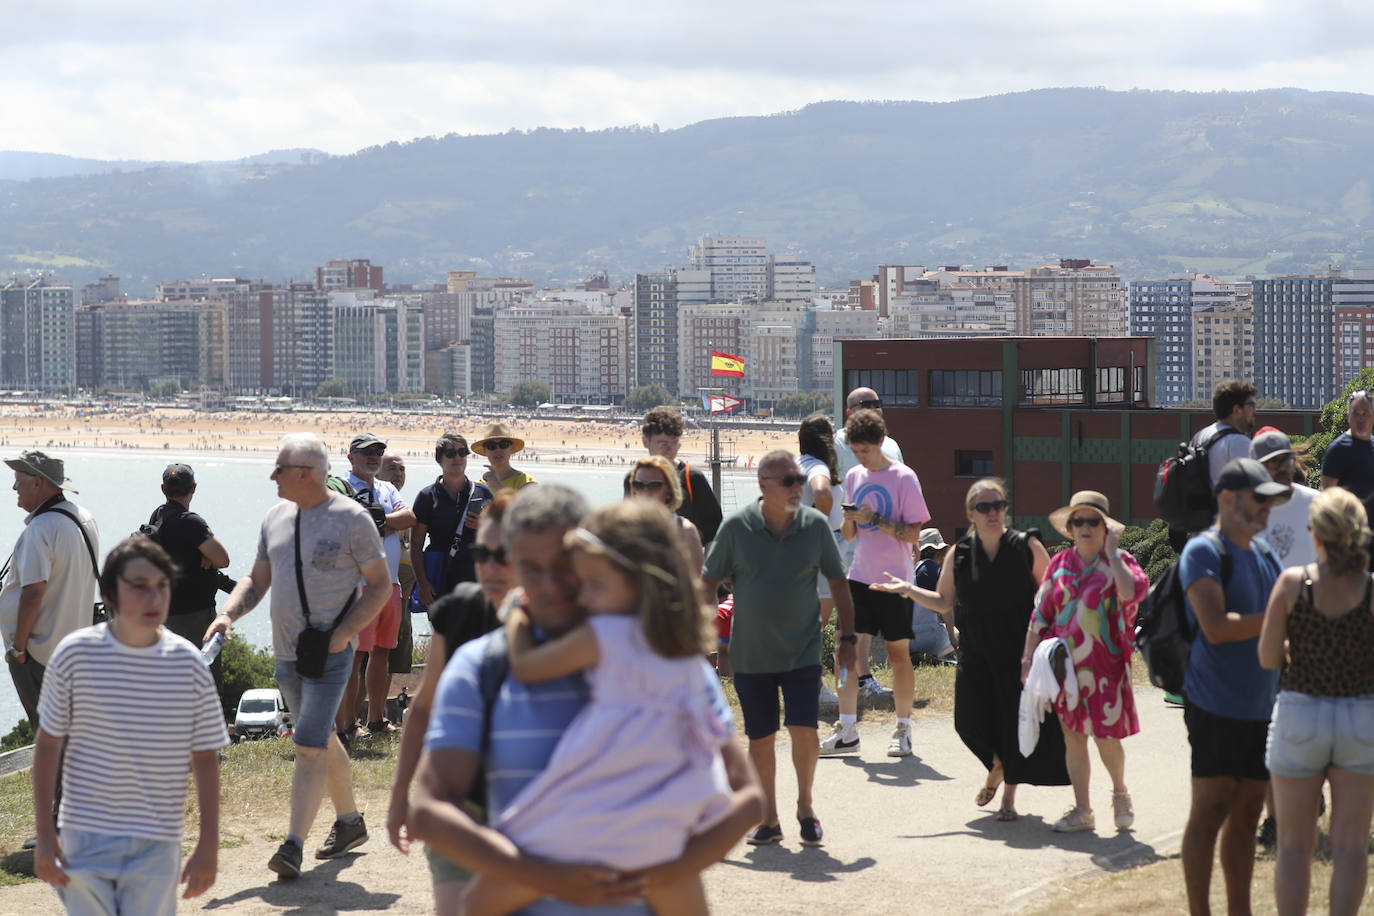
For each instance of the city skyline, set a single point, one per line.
(132, 81)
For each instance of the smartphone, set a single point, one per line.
(848, 506)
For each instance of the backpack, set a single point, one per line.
(1162, 633)
(364, 499)
(1183, 485)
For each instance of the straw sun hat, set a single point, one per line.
(1083, 499)
(498, 431)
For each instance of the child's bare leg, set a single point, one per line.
(487, 896)
(686, 897)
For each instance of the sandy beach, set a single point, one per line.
(413, 435)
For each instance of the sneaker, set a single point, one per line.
(1172, 699)
(286, 861)
(900, 745)
(811, 832)
(1074, 820)
(343, 837)
(829, 697)
(1122, 813)
(1268, 834)
(763, 835)
(840, 743)
(869, 687)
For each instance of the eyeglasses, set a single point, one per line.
(482, 555)
(1261, 500)
(372, 451)
(276, 471)
(874, 404)
(455, 453)
(501, 444)
(1089, 521)
(789, 480)
(653, 486)
(997, 505)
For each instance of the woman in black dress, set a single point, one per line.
(989, 586)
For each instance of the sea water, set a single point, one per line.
(122, 487)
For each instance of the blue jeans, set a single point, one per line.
(314, 701)
(119, 874)
(928, 633)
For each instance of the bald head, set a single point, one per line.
(861, 398)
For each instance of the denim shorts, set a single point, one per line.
(314, 701)
(112, 873)
(1307, 734)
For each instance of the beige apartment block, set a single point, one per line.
(1223, 344)
(1074, 299)
(582, 355)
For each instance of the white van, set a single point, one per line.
(261, 714)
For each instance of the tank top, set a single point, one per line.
(1329, 657)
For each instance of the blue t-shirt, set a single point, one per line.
(1226, 679)
(1351, 461)
(527, 721)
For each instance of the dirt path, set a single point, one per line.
(901, 832)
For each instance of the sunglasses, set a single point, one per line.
(276, 471)
(874, 404)
(653, 486)
(1263, 500)
(455, 453)
(1360, 395)
(482, 554)
(501, 444)
(789, 480)
(1089, 521)
(997, 505)
(372, 451)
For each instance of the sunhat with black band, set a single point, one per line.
(38, 464)
(1083, 499)
(498, 431)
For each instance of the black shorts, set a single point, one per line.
(881, 613)
(758, 699)
(1225, 747)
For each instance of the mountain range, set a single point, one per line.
(1231, 183)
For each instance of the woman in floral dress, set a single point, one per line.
(1089, 598)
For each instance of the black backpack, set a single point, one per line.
(1162, 633)
(1183, 486)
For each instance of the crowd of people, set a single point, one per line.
(571, 715)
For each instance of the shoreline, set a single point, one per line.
(256, 433)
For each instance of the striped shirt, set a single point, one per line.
(132, 717)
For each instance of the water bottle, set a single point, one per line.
(210, 651)
(844, 676)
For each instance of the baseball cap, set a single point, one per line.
(1249, 474)
(363, 441)
(178, 475)
(1269, 443)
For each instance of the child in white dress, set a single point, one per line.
(639, 770)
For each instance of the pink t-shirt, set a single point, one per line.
(895, 493)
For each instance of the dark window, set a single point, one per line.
(895, 387)
(965, 388)
(969, 463)
(1111, 384)
(1051, 386)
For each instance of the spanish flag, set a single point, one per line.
(725, 364)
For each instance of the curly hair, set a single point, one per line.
(649, 537)
(662, 421)
(865, 426)
(134, 547)
(816, 437)
(664, 467)
(1339, 524)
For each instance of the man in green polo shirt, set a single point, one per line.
(771, 551)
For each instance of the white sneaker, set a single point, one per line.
(829, 697)
(869, 687)
(900, 745)
(840, 742)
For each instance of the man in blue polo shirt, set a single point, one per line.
(527, 722)
(1228, 696)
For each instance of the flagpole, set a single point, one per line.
(713, 456)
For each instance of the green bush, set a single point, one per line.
(20, 736)
(244, 669)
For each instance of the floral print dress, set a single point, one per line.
(1079, 603)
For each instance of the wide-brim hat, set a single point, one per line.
(38, 464)
(1083, 499)
(498, 431)
(931, 539)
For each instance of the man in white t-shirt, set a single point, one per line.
(862, 399)
(1287, 532)
(378, 638)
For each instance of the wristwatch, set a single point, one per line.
(16, 655)
(849, 638)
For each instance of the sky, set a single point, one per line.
(148, 79)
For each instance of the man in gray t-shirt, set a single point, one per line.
(339, 547)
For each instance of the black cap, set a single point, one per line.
(179, 475)
(1249, 474)
(363, 441)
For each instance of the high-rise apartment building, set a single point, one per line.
(790, 280)
(894, 280)
(1223, 343)
(1074, 299)
(830, 325)
(701, 328)
(738, 266)
(106, 289)
(37, 335)
(345, 273)
(654, 324)
(130, 345)
(1163, 309)
(1294, 327)
(580, 354)
(1353, 306)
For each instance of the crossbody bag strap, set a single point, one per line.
(90, 548)
(300, 585)
(462, 519)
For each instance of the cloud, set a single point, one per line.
(138, 79)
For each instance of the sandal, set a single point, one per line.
(985, 795)
(381, 727)
(1007, 814)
